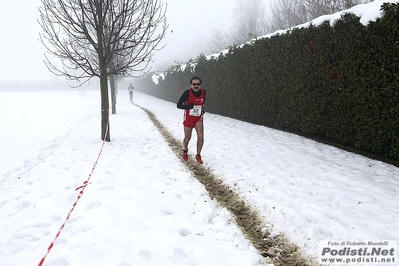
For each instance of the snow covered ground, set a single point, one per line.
(143, 207)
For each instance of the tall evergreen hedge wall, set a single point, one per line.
(340, 82)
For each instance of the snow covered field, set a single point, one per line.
(143, 207)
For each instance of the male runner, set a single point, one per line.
(192, 101)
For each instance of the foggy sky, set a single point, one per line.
(190, 25)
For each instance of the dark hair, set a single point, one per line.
(191, 80)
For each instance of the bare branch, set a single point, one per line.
(118, 35)
(290, 13)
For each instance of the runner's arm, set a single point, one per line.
(203, 110)
(184, 98)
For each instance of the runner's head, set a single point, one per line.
(195, 83)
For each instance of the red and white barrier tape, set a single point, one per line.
(81, 188)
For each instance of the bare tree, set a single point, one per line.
(219, 41)
(287, 13)
(318, 8)
(250, 22)
(114, 92)
(290, 13)
(100, 38)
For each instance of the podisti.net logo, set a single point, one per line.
(352, 252)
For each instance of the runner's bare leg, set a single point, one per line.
(199, 127)
(187, 136)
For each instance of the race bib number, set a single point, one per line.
(196, 111)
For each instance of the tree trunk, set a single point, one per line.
(113, 93)
(105, 125)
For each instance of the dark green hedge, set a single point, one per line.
(339, 82)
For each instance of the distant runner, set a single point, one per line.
(131, 89)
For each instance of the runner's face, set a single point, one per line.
(195, 84)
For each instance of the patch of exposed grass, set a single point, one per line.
(278, 249)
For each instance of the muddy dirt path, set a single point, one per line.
(278, 249)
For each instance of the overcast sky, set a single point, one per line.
(190, 25)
